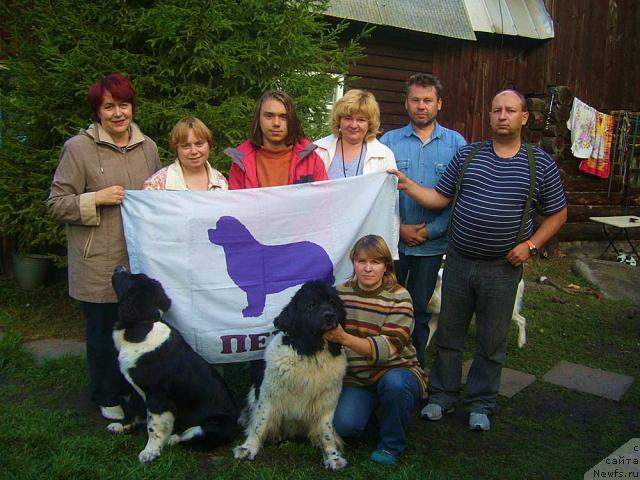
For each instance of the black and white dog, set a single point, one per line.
(303, 377)
(186, 399)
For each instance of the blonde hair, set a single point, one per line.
(180, 132)
(357, 101)
(374, 247)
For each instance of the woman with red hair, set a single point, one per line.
(96, 168)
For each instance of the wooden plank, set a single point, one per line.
(394, 119)
(393, 62)
(378, 84)
(386, 127)
(380, 72)
(584, 183)
(400, 52)
(395, 108)
(388, 96)
(581, 213)
(599, 198)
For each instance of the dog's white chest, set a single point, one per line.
(304, 377)
(130, 352)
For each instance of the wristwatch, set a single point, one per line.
(533, 250)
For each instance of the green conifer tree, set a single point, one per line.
(211, 59)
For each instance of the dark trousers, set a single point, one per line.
(107, 386)
(486, 288)
(422, 273)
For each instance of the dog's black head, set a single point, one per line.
(140, 298)
(313, 310)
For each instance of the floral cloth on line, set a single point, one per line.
(582, 124)
(599, 163)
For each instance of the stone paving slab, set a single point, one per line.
(511, 381)
(616, 281)
(54, 348)
(589, 380)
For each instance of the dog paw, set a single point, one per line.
(148, 455)
(115, 427)
(251, 311)
(173, 440)
(335, 463)
(243, 452)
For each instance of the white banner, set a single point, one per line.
(231, 260)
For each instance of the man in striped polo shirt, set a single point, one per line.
(492, 235)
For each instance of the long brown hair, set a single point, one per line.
(374, 246)
(294, 128)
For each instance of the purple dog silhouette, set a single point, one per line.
(260, 270)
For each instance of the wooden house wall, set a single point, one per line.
(391, 57)
(595, 52)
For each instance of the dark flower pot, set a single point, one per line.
(30, 270)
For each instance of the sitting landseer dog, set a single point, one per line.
(434, 309)
(186, 398)
(303, 377)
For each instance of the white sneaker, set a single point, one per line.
(112, 413)
(434, 412)
(479, 422)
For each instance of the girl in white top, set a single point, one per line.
(353, 149)
(191, 142)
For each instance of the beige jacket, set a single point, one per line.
(91, 161)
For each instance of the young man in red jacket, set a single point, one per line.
(277, 153)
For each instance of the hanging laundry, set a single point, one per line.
(582, 124)
(599, 163)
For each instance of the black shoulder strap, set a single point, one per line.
(532, 186)
(465, 165)
(532, 190)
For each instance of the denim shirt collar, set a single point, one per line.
(437, 131)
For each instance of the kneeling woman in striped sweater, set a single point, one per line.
(383, 373)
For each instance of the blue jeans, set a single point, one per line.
(423, 274)
(107, 386)
(488, 289)
(396, 393)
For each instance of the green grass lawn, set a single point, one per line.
(50, 429)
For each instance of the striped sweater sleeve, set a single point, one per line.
(385, 319)
(395, 331)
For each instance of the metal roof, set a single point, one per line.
(445, 18)
(524, 18)
(451, 18)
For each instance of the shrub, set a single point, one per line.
(185, 57)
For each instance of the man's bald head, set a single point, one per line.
(523, 101)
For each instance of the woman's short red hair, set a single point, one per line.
(120, 88)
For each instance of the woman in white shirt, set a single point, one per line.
(191, 142)
(353, 149)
